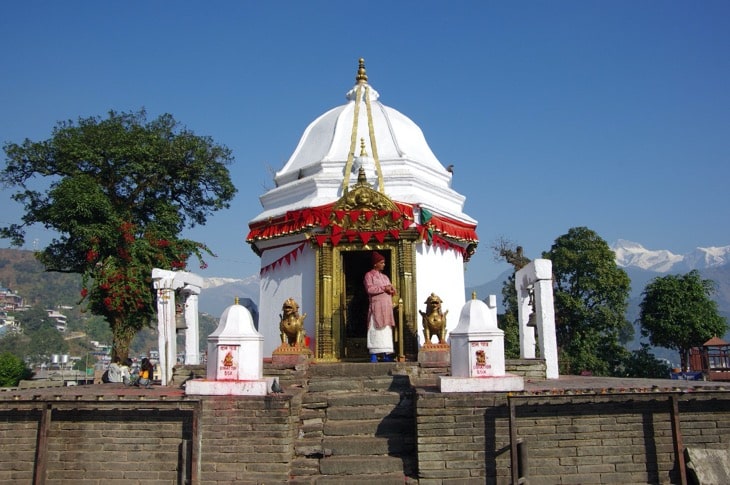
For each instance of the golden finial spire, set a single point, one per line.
(235, 301)
(473, 295)
(362, 76)
(363, 152)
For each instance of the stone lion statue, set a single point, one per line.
(292, 324)
(434, 320)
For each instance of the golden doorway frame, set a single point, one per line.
(330, 294)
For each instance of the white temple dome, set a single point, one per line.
(321, 166)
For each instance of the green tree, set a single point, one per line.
(32, 319)
(591, 294)
(14, 343)
(12, 370)
(643, 363)
(121, 191)
(508, 321)
(45, 342)
(677, 312)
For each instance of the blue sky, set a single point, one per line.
(612, 115)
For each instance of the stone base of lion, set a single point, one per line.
(431, 346)
(286, 349)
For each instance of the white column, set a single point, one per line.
(527, 334)
(163, 281)
(545, 312)
(192, 335)
(538, 276)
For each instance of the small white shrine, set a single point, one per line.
(235, 358)
(177, 311)
(477, 352)
(362, 179)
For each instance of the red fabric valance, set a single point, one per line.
(320, 217)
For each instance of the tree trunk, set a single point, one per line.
(684, 359)
(123, 335)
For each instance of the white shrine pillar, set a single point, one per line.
(235, 358)
(167, 283)
(164, 283)
(534, 285)
(477, 352)
(190, 292)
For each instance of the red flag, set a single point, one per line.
(380, 236)
(320, 239)
(365, 236)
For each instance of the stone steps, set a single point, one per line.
(357, 426)
(367, 445)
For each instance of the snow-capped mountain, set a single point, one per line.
(215, 282)
(633, 255)
(220, 293)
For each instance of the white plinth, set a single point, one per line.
(505, 383)
(202, 387)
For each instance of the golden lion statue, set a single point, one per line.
(434, 320)
(292, 324)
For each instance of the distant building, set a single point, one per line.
(9, 300)
(8, 324)
(59, 318)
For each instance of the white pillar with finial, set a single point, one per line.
(235, 358)
(477, 352)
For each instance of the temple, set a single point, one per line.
(362, 178)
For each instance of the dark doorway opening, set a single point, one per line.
(355, 301)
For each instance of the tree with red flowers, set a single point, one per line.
(119, 192)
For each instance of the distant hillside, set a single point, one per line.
(22, 273)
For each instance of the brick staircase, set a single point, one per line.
(356, 426)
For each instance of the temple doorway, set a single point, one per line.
(354, 300)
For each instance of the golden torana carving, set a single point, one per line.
(365, 209)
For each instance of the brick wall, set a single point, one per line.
(465, 438)
(18, 432)
(461, 438)
(115, 445)
(248, 439)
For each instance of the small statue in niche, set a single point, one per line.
(434, 320)
(292, 324)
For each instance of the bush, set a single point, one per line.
(12, 370)
(642, 363)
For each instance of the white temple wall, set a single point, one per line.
(294, 279)
(439, 271)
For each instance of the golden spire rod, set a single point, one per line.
(362, 76)
(363, 152)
